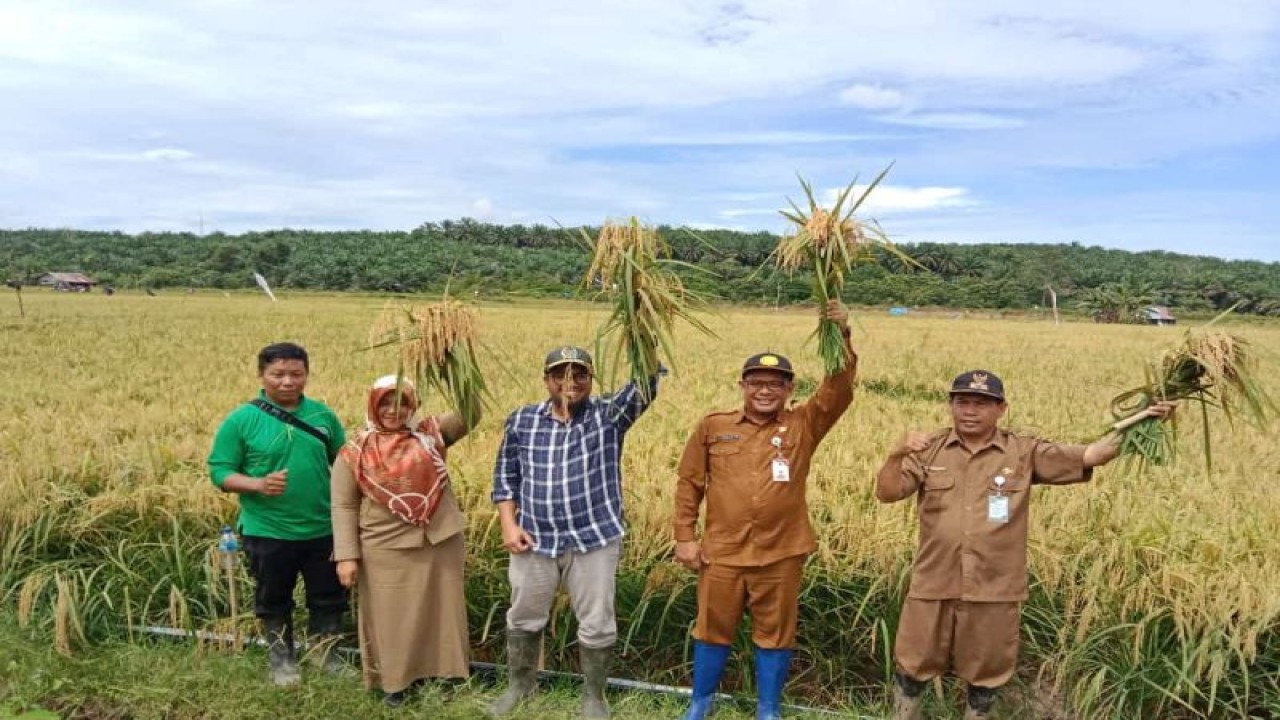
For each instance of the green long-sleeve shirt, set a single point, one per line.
(253, 443)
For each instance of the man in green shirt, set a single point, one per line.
(275, 453)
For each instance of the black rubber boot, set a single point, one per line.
(979, 701)
(325, 632)
(908, 697)
(283, 667)
(522, 671)
(595, 674)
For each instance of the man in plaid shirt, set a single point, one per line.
(557, 485)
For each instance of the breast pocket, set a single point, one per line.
(934, 492)
(722, 457)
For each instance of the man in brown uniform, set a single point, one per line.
(750, 464)
(972, 485)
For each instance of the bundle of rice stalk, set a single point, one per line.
(437, 344)
(631, 267)
(830, 243)
(1213, 369)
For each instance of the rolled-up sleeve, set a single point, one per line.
(628, 404)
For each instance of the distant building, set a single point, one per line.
(67, 281)
(1159, 315)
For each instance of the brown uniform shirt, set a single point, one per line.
(963, 555)
(751, 519)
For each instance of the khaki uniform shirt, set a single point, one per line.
(360, 522)
(751, 519)
(963, 555)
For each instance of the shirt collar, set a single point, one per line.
(544, 408)
(999, 440)
(783, 414)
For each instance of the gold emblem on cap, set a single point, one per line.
(769, 360)
(568, 353)
(978, 382)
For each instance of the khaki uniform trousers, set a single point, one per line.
(976, 641)
(771, 592)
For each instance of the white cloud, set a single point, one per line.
(155, 155)
(956, 120)
(482, 209)
(872, 97)
(895, 199)
(167, 154)
(268, 114)
(884, 199)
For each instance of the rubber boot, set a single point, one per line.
(908, 697)
(595, 674)
(772, 668)
(522, 672)
(283, 668)
(325, 631)
(978, 702)
(708, 665)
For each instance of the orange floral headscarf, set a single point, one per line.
(401, 468)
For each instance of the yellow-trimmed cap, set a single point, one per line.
(768, 361)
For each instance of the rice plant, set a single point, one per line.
(1213, 369)
(830, 243)
(437, 345)
(1152, 596)
(632, 269)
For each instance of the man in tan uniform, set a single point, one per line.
(750, 465)
(972, 484)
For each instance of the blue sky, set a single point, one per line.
(1138, 124)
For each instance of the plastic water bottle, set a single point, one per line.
(228, 548)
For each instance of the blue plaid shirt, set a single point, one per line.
(565, 478)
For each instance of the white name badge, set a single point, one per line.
(998, 508)
(781, 470)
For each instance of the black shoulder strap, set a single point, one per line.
(290, 419)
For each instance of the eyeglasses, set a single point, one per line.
(775, 385)
(578, 376)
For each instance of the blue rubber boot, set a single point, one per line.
(708, 665)
(772, 669)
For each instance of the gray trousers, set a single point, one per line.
(589, 578)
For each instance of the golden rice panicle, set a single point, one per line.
(630, 267)
(1213, 369)
(436, 343)
(829, 243)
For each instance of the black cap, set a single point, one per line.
(768, 361)
(978, 382)
(567, 355)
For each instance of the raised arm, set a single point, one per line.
(453, 428)
(835, 393)
(900, 475)
(628, 404)
(1105, 450)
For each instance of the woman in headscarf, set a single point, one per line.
(398, 537)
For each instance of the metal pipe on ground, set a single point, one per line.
(492, 669)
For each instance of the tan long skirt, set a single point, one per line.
(413, 614)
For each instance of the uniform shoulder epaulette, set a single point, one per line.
(938, 436)
(1021, 434)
